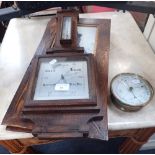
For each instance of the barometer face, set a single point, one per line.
(61, 78)
(131, 90)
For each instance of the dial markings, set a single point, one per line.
(131, 89)
(67, 79)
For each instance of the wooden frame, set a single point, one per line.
(63, 103)
(71, 43)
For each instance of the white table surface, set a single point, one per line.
(129, 52)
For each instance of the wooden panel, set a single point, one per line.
(79, 124)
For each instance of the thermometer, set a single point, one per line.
(66, 30)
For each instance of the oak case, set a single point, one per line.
(73, 120)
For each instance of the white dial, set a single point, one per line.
(60, 78)
(131, 89)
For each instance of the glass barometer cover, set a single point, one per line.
(131, 90)
(62, 78)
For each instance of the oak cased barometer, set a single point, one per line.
(64, 91)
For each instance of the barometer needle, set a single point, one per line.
(130, 89)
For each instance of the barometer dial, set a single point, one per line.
(131, 90)
(60, 78)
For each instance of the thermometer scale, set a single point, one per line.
(66, 33)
